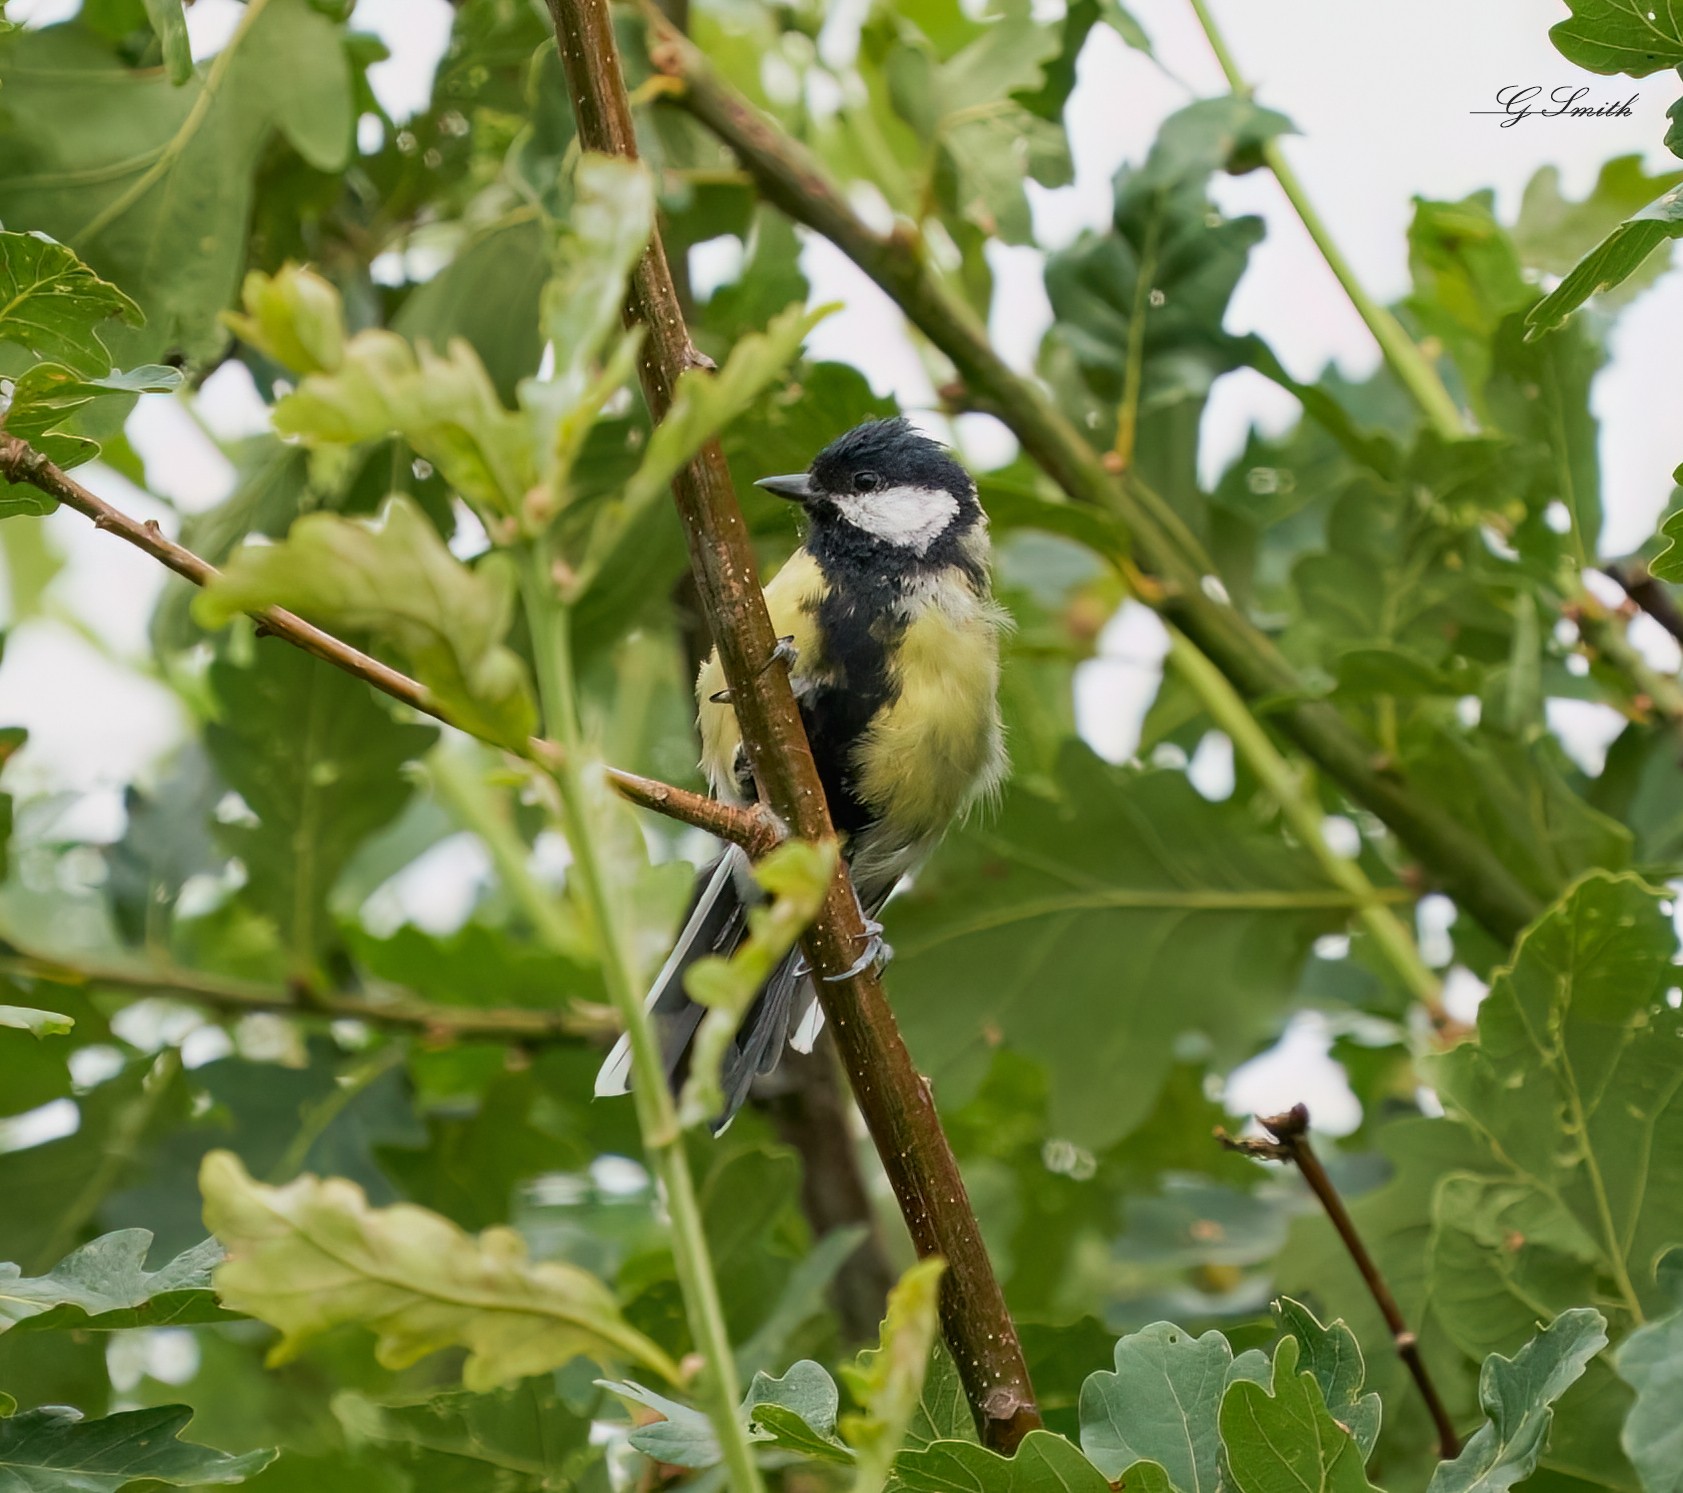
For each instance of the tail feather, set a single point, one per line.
(716, 924)
(786, 1011)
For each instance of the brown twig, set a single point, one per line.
(893, 1096)
(755, 829)
(792, 179)
(225, 993)
(1654, 597)
(1290, 1132)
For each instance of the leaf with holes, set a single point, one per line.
(1574, 1085)
(1285, 1438)
(1162, 1404)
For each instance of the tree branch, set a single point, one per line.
(894, 1097)
(755, 829)
(1290, 1132)
(1654, 597)
(792, 179)
(225, 993)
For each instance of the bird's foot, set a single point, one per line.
(877, 951)
(786, 651)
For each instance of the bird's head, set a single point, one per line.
(888, 482)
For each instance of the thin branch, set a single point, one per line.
(228, 994)
(1290, 1132)
(1652, 596)
(791, 178)
(893, 1096)
(755, 829)
(1304, 816)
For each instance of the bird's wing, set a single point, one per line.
(791, 598)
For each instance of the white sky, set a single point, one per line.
(1382, 92)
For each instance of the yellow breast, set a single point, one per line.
(938, 746)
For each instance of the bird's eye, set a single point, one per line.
(866, 482)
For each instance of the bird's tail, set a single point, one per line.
(786, 1009)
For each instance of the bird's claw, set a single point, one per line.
(877, 951)
(785, 651)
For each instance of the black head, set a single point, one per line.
(888, 481)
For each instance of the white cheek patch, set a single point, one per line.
(913, 517)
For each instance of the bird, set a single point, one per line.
(886, 617)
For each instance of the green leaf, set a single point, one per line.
(1552, 233)
(151, 183)
(526, 1435)
(1612, 261)
(1502, 1257)
(104, 1286)
(319, 761)
(1518, 1396)
(443, 405)
(56, 1451)
(1114, 858)
(490, 294)
(1650, 1360)
(1467, 279)
(1610, 36)
(1668, 564)
(1572, 1082)
(794, 1413)
(612, 217)
(1138, 309)
(294, 317)
(887, 1381)
(1162, 1404)
(52, 303)
(398, 581)
(1334, 1357)
(1287, 1441)
(795, 876)
(682, 1438)
(1043, 1462)
(37, 1024)
(49, 397)
(313, 1255)
(943, 1412)
(170, 23)
(702, 405)
(1519, 801)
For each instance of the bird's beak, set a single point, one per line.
(798, 487)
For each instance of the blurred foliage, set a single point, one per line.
(441, 1256)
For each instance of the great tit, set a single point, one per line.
(887, 618)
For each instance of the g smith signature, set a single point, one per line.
(1520, 101)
